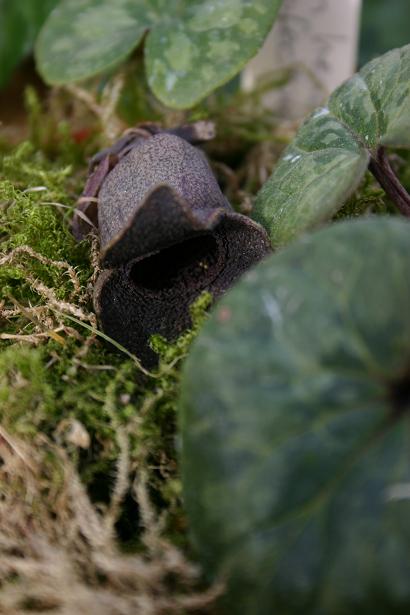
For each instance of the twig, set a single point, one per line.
(105, 112)
(10, 257)
(381, 169)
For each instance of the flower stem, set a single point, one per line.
(382, 171)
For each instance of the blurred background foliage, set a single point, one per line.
(385, 24)
(20, 21)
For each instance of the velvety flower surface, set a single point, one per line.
(167, 234)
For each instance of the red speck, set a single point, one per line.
(79, 136)
(224, 314)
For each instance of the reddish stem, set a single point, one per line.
(381, 169)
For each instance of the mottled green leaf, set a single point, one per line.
(192, 48)
(330, 154)
(295, 420)
(211, 43)
(84, 37)
(20, 21)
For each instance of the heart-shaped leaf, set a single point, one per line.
(295, 428)
(19, 24)
(192, 48)
(327, 159)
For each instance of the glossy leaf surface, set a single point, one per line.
(327, 159)
(295, 428)
(192, 47)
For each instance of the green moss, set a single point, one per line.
(26, 397)
(370, 198)
(34, 205)
(72, 375)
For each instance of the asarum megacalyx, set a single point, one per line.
(167, 234)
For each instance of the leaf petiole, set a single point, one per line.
(383, 172)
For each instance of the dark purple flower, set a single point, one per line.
(167, 234)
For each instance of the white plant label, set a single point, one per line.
(318, 41)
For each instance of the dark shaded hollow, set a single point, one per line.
(399, 394)
(181, 263)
